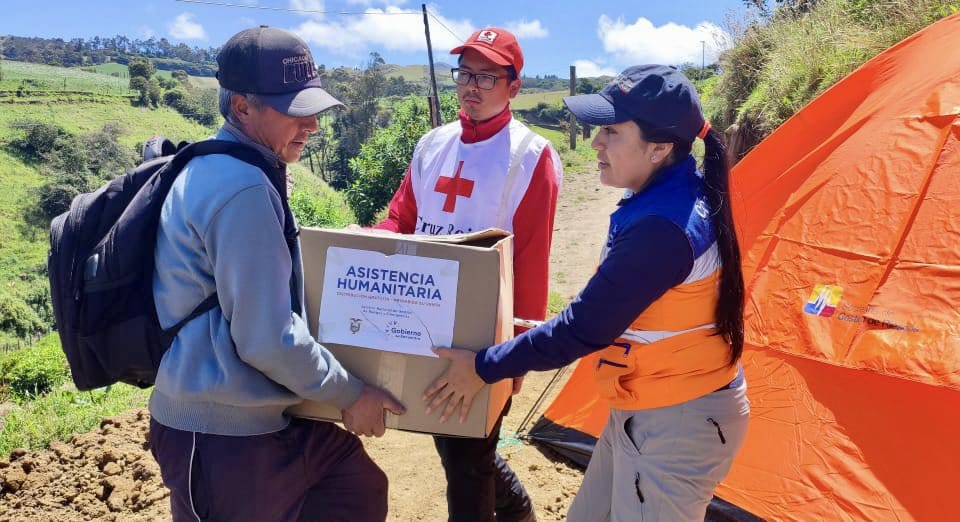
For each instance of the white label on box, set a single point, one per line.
(397, 303)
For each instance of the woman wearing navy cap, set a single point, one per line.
(661, 320)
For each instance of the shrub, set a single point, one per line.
(35, 370)
(106, 157)
(17, 317)
(168, 83)
(326, 209)
(174, 97)
(53, 199)
(39, 140)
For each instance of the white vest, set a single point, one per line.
(464, 187)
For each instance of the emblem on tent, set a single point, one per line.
(823, 301)
(355, 325)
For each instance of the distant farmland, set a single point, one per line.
(32, 77)
(206, 82)
(531, 99)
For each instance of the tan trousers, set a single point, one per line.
(663, 464)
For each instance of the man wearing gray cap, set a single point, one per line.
(218, 430)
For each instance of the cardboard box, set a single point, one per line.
(482, 281)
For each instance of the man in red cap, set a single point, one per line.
(486, 170)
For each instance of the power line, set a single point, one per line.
(289, 10)
(455, 35)
(317, 11)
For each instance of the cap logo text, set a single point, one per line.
(298, 69)
(625, 84)
(487, 37)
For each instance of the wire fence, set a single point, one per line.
(27, 79)
(20, 343)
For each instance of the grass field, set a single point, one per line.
(204, 82)
(531, 99)
(36, 77)
(578, 160)
(421, 73)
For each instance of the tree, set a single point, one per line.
(168, 83)
(174, 97)
(589, 85)
(140, 84)
(357, 122)
(140, 67)
(383, 159)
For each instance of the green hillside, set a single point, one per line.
(24, 247)
(34, 77)
(24, 311)
(205, 82)
(421, 73)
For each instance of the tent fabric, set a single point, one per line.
(848, 217)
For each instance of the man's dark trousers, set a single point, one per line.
(479, 481)
(309, 471)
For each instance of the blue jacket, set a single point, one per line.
(655, 239)
(235, 369)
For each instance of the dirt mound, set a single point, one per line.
(107, 474)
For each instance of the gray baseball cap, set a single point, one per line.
(276, 66)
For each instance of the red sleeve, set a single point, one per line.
(533, 230)
(402, 216)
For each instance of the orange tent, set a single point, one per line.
(849, 222)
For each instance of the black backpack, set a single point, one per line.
(101, 267)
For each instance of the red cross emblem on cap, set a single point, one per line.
(487, 36)
(453, 187)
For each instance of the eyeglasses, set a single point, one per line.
(483, 81)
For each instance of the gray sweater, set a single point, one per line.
(235, 369)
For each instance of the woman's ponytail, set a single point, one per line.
(730, 305)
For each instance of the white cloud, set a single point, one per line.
(311, 8)
(391, 28)
(367, 3)
(671, 44)
(524, 29)
(591, 69)
(184, 28)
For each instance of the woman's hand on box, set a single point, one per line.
(457, 386)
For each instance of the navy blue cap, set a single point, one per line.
(658, 95)
(276, 66)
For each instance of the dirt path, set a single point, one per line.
(109, 474)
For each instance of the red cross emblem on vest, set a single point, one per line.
(453, 187)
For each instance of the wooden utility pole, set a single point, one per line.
(573, 119)
(703, 57)
(435, 119)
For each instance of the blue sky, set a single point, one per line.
(600, 36)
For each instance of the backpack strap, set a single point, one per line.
(205, 306)
(185, 153)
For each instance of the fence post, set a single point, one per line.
(573, 119)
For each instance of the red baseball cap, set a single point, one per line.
(497, 45)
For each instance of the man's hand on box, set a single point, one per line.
(365, 416)
(457, 386)
(517, 384)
